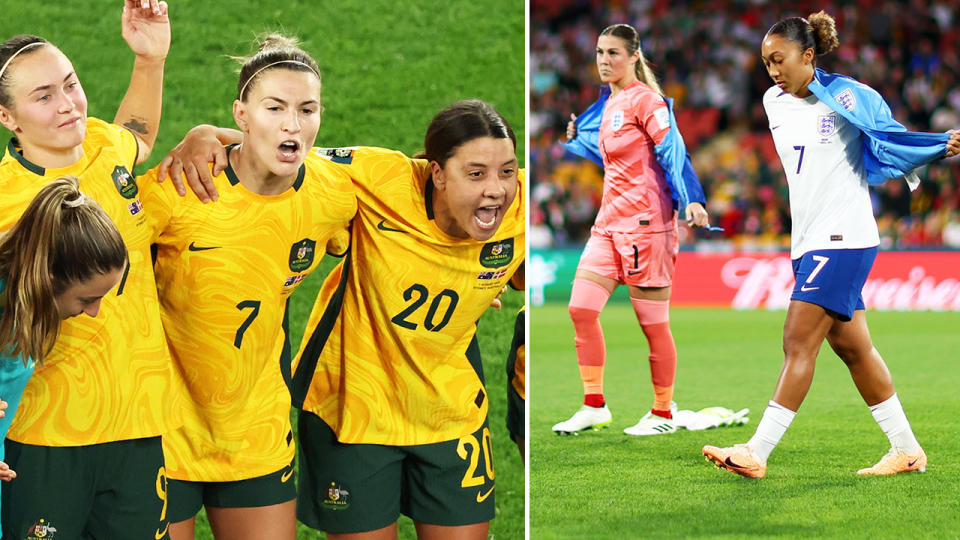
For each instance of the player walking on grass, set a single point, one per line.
(58, 261)
(834, 136)
(634, 240)
(86, 439)
(225, 272)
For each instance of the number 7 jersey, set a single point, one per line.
(225, 271)
(390, 354)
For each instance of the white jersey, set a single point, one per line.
(822, 156)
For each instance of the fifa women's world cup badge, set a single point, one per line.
(338, 497)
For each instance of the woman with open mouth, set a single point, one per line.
(224, 272)
(389, 380)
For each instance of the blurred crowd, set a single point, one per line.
(706, 56)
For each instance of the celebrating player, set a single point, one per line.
(86, 439)
(834, 136)
(225, 272)
(58, 261)
(389, 378)
(634, 237)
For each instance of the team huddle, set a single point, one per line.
(144, 332)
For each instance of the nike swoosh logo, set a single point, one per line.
(383, 227)
(632, 272)
(804, 288)
(912, 463)
(194, 247)
(161, 534)
(286, 476)
(729, 462)
(481, 498)
(775, 127)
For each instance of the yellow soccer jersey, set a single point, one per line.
(108, 378)
(390, 355)
(519, 356)
(225, 271)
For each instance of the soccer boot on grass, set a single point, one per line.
(897, 461)
(738, 458)
(586, 418)
(651, 424)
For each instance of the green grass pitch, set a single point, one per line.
(387, 67)
(605, 484)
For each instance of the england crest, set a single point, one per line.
(846, 99)
(827, 125)
(617, 121)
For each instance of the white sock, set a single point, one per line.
(893, 421)
(776, 419)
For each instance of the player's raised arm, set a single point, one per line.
(146, 29)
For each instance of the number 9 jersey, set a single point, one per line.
(390, 354)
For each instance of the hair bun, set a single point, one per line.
(824, 32)
(276, 40)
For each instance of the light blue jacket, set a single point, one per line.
(13, 379)
(671, 153)
(889, 150)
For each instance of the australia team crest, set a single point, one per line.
(497, 254)
(124, 181)
(338, 497)
(302, 254)
(42, 529)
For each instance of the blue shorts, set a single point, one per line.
(833, 279)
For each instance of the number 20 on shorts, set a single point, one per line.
(469, 448)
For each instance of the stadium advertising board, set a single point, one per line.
(899, 280)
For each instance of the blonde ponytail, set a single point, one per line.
(632, 39)
(62, 238)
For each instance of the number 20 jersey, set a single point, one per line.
(390, 355)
